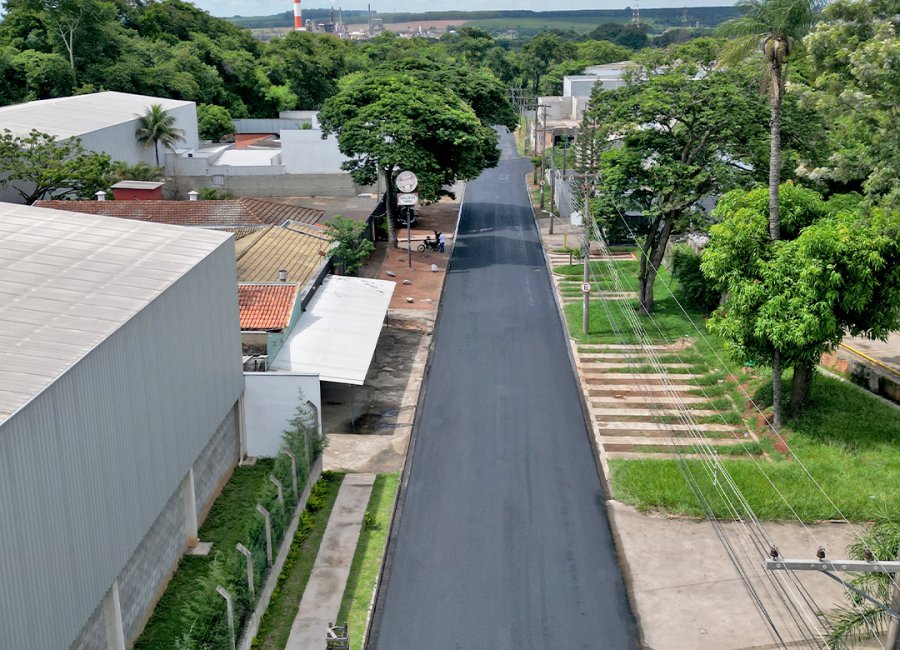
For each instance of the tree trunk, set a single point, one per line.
(804, 372)
(156, 150)
(653, 252)
(775, 152)
(778, 418)
(389, 204)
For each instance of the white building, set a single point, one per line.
(120, 393)
(105, 122)
(608, 75)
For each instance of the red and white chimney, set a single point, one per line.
(298, 17)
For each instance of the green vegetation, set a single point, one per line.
(275, 626)
(48, 168)
(191, 614)
(366, 565)
(849, 441)
(352, 248)
(224, 527)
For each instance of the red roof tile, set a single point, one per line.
(233, 212)
(266, 306)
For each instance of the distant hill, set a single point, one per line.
(520, 20)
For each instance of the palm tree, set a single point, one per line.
(157, 126)
(778, 27)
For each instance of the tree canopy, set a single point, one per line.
(41, 167)
(834, 271)
(399, 120)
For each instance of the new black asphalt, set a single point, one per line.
(502, 540)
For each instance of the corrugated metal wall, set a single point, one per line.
(88, 465)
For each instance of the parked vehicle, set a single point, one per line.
(433, 244)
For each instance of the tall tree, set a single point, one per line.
(778, 25)
(38, 166)
(158, 127)
(680, 135)
(391, 121)
(834, 271)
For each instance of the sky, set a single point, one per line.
(269, 7)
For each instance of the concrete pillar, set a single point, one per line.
(189, 497)
(267, 518)
(112, 619)
(229, 610)
(242, 431)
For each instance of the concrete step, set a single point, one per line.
(605, 411)
(665, 400)
(620, 452)
(657, 430)
(619, 346)
(679, 442)
(598, 379)
(618, 356)
(637, 392)
(601, 367)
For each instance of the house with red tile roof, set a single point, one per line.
(245, 211)
(268, 312)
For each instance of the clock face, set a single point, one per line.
(407, 181)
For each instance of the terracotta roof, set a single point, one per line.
(266, 306)
(233, 212)
(262, 254)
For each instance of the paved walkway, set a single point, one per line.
(322, 598)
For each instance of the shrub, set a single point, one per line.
(694, 290)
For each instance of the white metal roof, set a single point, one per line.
(67, 117)
(69, 280)
(248, 157)
(336, 336)
(137, 185)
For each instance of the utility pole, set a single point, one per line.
(869, 565)
(537, 107)
(553, 179)
(585, 289)
(543, 158)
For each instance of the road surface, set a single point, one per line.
(502, 540)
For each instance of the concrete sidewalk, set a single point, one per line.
(321, 600)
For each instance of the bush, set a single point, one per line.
(694, 290)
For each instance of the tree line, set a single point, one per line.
(805, 239)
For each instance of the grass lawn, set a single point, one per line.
(848, 439)
(275, 626)
(367, 559)
(224, 526)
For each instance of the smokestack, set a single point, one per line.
(298, 16)
(101, 195)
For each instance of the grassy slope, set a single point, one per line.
(847, 439)
(276, 624)
(224, 526)
(367, 559)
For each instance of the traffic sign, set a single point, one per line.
(586, 287)
(407, 199)
(407, 181)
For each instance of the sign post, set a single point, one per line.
(407, 182)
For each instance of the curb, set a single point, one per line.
(600, 461)
(397, 514)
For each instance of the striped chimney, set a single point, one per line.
(298, 16)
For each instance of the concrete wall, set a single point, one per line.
(100, 452)
(270, 402)
(120, 143)
(305, 152)
(271, 125)
(279, 184)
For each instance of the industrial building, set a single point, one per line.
(120, 416)
(105, 122)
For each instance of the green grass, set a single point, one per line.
(224, 525)
(848, 440)
(368, 557)
(275, 626)
(753, 448)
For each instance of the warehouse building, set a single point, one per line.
(105, 122)
(120, 416)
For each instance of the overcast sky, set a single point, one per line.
(268, 7)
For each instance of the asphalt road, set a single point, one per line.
(502, 540)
